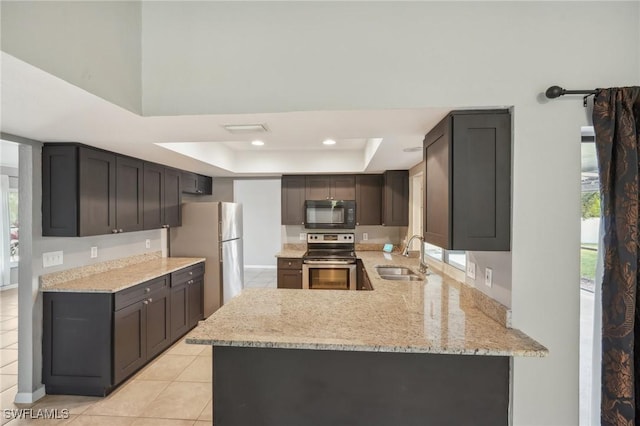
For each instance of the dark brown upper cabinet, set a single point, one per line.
(88, 191)
(129, 183)
(162, 196)
(172, 198)
(330, 187)
(368, 199)
(193, 183)
(468, 181)
(292, 199)
(395, 198)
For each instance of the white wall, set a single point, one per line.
(260, 200)
(93, 45)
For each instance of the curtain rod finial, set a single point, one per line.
(554, 92)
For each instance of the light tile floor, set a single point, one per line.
(173, 390)
(260, 278)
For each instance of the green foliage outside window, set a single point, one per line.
(590, 205)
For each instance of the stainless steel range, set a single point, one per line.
(330, 262)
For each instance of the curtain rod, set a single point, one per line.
(557, 91)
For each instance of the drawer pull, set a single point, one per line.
(190, 272)
(150, 300)
(145, 302)
(147, 290)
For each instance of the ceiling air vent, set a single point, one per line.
(245, 128)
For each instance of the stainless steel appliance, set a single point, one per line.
(330, 214)
(330, 262)
(213, 230)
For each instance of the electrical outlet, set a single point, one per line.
(471, 270)
(488, 277)
(94, 252)
(147, 243)
(52, 258)
(303, 236)
(365, 236)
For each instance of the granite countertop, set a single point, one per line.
(119, 278)
(291, 253)
(431, 316)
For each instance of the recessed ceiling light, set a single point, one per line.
(329, 142)
(245, 128)
(413, 149)
(257, 143)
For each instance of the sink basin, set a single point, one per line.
(397, 273)
(401, 277)
(394, 270)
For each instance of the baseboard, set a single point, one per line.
(8, 287)
(30, 397)
(259, 266)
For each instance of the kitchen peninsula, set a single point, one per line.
(404, 353)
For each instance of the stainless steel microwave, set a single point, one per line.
(330, 214)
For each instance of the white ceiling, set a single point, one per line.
(40, 106)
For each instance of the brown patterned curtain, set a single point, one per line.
(616, 119)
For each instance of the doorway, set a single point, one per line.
(9, 271)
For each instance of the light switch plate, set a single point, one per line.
(488, 277)
(365, 236)
(471, 270)
(303, 236)
(52, 258)
(147, 243)
(94, 252)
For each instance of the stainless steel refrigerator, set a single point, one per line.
(212, 230)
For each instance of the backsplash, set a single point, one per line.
(378, 235)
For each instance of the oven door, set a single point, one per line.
(322, 275)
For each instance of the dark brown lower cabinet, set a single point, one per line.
(94, 341)
(129, 341)
(363, 279)
(187, 306)
(290, 273)
(179, 308)
(196, 307)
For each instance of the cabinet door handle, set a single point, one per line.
(145, 302)
(190, 282)
(289, 263)
(150, 300)
(119, 230)
(190, 272)
(114, 231)
(147, 290)
(300, 271)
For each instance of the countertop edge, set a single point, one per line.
(540, 353)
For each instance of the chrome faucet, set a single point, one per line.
(405, 252)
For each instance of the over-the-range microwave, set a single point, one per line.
(330, 214)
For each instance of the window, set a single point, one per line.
(455, 258)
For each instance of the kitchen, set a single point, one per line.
(512, 79)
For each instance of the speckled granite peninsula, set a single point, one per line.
(399, 345)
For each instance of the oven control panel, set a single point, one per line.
(331, 238)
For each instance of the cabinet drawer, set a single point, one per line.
(186, 274)
(289, 263)
(136, 293)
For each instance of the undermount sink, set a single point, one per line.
(397, 273)
(401, 277)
